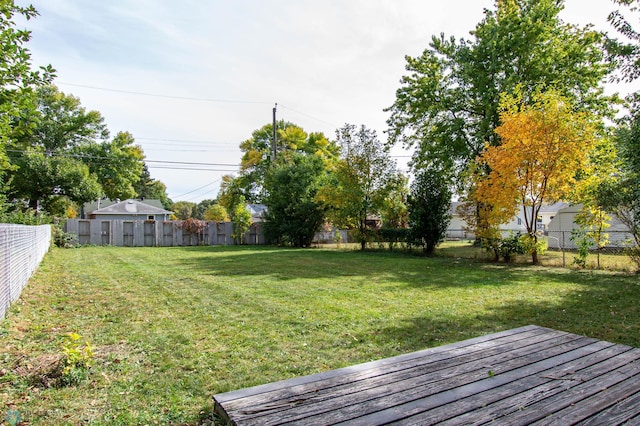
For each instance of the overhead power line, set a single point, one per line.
(94, 157)
(192, 98)
(193, 163)
(195, 169)
(156, 95)
(199, 188)
(188, 141)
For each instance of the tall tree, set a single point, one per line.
(18, 80)
(258, 152)
(625, 54)
(216, 213)
(147, 187)
(68, 143)
(230, 194)
(621, 195)
(544, 146)
(429, 203)
(294, 213)
(363, 178)
(447, 105)
(118, 164)
(46, 166)
(184, 209)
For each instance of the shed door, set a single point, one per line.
(105, 232)
(84, 232)
(127, 233)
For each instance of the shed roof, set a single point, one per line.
(131, 207)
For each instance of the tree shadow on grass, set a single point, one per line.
(604, 308)
(383, 267)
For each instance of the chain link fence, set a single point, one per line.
(21, 250)
(612, 242)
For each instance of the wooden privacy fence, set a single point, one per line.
(152, 233)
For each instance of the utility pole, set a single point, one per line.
(275, 139)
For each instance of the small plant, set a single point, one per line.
(583, 242)
(337, 237)
(77, 359)
(62, 239)
(531, 243)
(511, 246)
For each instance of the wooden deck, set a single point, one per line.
(516, 377)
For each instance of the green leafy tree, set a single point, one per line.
(231, 193)
(394, 211)
(48, 161)
(216, 213)
(118, 164)
(258, 152)
(448, 104)
(184, 209)
(202, 207)
(18, 80)
(593, 223)
(625, 54)
(621, 195)
(241, 218)
(148, 188)
(294, 213)
(429, 202)
(362, 180)
(53, 181)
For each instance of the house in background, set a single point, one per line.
(90, 207)
(458, 229)
(563, 225)
(548, 213)
(257, 212)
(129, 210)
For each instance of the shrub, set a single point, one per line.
(510, 246)
(76, 361)
(62, 239)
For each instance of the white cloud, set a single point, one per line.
(325, 62)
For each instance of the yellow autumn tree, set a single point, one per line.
(544, 145)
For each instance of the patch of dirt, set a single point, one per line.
(44, 370)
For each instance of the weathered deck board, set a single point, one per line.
(520, 376)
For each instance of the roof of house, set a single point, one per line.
(130, 207)
(257, 210)
(106, 202)
(553, 208)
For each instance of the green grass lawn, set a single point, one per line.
(172, 326)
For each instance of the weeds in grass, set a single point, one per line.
(77, 359)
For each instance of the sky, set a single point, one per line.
(192, 79)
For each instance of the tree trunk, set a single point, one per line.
(534, 253)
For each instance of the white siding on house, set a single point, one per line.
(457, 226)
(563, 224)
